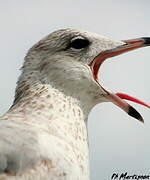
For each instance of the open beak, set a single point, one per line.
(118, 97)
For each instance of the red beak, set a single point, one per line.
(118, 97)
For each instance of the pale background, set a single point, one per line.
(118, 143)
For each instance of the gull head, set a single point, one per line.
(70, 60)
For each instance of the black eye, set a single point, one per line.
(79, 43)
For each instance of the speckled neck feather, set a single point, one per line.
(40, 104)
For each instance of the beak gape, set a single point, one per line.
(118, 97)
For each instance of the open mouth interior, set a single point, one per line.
(118, 97)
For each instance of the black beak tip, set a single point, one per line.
(134, 113)
(146, 41)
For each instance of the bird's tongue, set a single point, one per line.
(118, 97)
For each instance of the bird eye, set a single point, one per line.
(79, 43)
